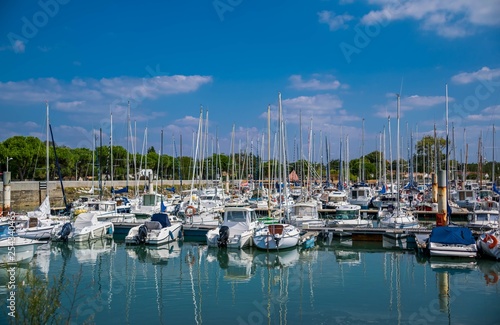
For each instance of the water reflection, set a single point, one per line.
(154, 254)
(276, 259)
(490, 270)
(189, 283)
(237, 264)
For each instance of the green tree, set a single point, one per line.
(25, 154)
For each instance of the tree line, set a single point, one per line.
(25, 157)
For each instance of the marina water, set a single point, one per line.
(336, 282)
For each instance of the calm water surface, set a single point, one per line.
(341, 282)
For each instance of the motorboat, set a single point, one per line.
(451, 241)
(236, 230)
(334, 199)
(399, 219)
(276, 236)
(85, 227)
(349, 215)
(37, 224)
(360, 194)
(488, 244)
(305, 214)
(15, 249)
(159, 230)
(484, 216)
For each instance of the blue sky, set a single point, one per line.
(335, 63)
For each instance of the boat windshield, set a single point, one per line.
(301, 211)
(4, 231)
(236, 216)
(346, 215)
(337, 198)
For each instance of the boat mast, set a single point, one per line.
(128, 138)
(397, 153)
(269, 160)
(384, 167)
(111, 152)
(493, 166)
(363, 152)
(390, 152)
(47, 160)
(447, 158)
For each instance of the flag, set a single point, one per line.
(163, 208)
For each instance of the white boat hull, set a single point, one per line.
(157, 236)
(489, 248)
(17, 250)
(237, 241)
(452, 250)
(165, 235)
(270, 239)
(37, 233)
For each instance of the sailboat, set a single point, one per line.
(448, 240)
(38, 224)
(488, 243)
(399, 218)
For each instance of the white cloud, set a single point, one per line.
(409, 103)
(188, 120)
(69, 106)
(318, 103)
(333, 21)
(491, 113)
(449, 19)
(317, 82)
(19, 46)
(416, 101)
(97, 93)
(323, 109)
(484, 73)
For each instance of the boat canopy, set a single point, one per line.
(452, 235)
(162, 218)
(86, 219)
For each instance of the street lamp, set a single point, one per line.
(8, 159)
(76, 170)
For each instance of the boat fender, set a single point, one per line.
(171, 234)
(190, 211)
(493, 239)
(491, 278)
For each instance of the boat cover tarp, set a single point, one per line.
(86, 219)
(122, 190)
(162, 218)
(452, 235)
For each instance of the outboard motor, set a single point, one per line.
(176, 209)
(223, 236)
(277, 239)
(142, 234)
(65, 231)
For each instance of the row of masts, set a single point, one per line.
(279, 167)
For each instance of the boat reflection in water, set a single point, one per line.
(155, 254)
(89, 252)
(276, 259)
(236, 264)
(188, 283)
